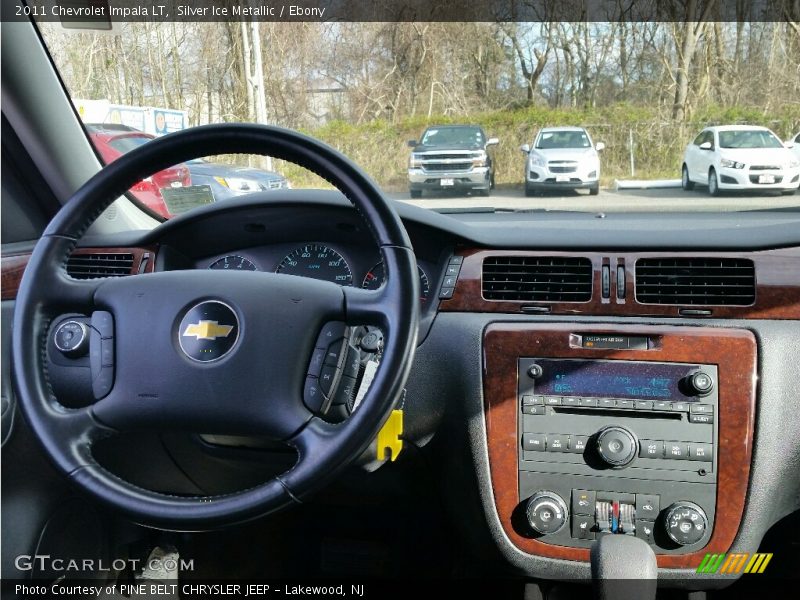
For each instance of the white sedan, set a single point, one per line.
(740, 157)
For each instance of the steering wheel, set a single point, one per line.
(250, 385)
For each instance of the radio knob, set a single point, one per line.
(616, 446)
(701, 383)
(547, 512)
(685, 522)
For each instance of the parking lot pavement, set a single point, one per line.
(655, 200)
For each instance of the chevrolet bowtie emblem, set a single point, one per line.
(207, 330)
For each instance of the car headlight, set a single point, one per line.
(731, 164)
(238, 184)
(794, 163)
(479, 159)
(537, 160)
(414, 161)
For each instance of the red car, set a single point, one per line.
(113, 142)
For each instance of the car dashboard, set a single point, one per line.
(570, 363)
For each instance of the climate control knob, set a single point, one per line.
(616, 446)
(547, 512)
(685, 522)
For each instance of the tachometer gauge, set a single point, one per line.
(375, 276)
(235, 262)
(318, 262)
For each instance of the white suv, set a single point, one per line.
(562, 157)
(740, 157)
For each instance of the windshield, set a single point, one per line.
(562, 139)
(748, 138)
(126, 144)
(390, 95)
(456, 136)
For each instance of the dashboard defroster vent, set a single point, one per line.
(537, 278)
(93, 266)
(696, 281)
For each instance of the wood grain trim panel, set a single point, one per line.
(777, 286)
(13, 266)
(733, 350)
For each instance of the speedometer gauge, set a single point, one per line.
(375, 276)
(318, 262)
(234, 262)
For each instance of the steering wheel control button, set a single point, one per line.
(700, 383)
(326, 378)
(208, 331)
(352, 362)
(102, 384)
(317, 359)
(345, 390)
(546, 512)
(616, 446)
(686, 523)
(103, 323)
(71, 338)
(312, 395)
(107, 352)
(331, 331)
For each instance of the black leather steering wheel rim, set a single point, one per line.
(46, 291)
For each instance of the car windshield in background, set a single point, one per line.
(563, 139)
(460, 116)
(748, 138)
(456, 136)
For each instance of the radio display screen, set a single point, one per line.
(613, 379)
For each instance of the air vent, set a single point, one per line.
(537, 278)
(92, 266)
(690, 281)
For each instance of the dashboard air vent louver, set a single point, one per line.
(92, 266)
(537, 278)
(695, 281)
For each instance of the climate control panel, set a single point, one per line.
(618, 448)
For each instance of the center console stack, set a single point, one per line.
(626, 430)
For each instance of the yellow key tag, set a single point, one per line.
(390, 442)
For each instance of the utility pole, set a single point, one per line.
(258, 83)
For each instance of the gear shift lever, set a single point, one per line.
(623, 568)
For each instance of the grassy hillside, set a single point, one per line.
(380, 146)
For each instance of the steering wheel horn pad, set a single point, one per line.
(212, 351)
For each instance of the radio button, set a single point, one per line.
(577, 443)
(535, 409)
(647, 506)
(707, 409)
(679, 407)
(533, 442)
(553, 401)
(589, 402)
(624, 403)
(644, 405)
(651, 449)
(616, 446)
(676, 450)
(570, 401)
(661, 405)
(607, 403)
(531, 400)
(558, 442)
(583, 502)
(704, 452)
(695, 418)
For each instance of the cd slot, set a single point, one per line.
(616, 412)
